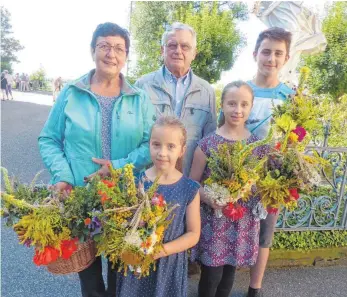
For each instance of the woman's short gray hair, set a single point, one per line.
(176, 27)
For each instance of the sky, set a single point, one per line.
(57, 35)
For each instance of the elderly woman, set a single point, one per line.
(96, 119)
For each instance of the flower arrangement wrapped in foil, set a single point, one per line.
(133, 222)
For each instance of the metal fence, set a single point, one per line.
(326, 207)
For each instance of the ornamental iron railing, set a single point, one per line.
(326, 207)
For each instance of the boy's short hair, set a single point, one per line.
(274, 33)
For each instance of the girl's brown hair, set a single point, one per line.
(235, 84)
(174, 122)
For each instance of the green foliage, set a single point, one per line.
(333, 112)
(308, 240)
(39, 76)
(218, 40)
(25, 196)
(78, 207)
(329, 69)
(218, 89)
(9, 45)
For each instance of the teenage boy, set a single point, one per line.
(271, 53)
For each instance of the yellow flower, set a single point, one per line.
(160, 231)
(232, 185)
(285, 123)
(243, 176)
(293, 138)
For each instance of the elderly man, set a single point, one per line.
(175, 90)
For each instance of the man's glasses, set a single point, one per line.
(184, 47)
(105, 47)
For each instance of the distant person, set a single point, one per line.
(17, 80)
(57, 86)
(10, 82)
(22, 82)
(27, 81)
(4, 86)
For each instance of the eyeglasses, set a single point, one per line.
(105, 47)
(173, 46)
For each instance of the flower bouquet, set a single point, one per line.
(288, 171)
(51, 226)
(234, 170)
(133, 221)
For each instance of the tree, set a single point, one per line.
(329, 68)
(38, 78)
(9, 45)
(218, 40)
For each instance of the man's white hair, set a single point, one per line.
(176, 27)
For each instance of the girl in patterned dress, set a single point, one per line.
(225, 244)
(167, 146)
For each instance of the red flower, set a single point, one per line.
(87, 221)
(48, 255)
(301, 132)
(68, 247)
(161, 200)
(108, 183)
(234, 211)
(294, 193)
(272, 210)
(158, 200)
(278, 146)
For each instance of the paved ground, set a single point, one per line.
(21, 122)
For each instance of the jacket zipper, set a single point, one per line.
(98, 149)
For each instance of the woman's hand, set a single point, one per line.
(63, 188)
(103, 171)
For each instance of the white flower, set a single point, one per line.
(259, 211)
(133, 239)
(217, 194)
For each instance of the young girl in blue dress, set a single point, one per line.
(167, 147)
(225, 244)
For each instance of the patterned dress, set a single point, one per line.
(171, 276)
(223, 241)
(106, 106)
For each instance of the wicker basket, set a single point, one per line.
(80, 260)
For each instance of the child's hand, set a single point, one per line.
(161, 254)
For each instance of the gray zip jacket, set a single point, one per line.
(198, 108)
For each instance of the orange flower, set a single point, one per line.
(87, 221)
(146, 244)
(104, 198)
(108, 183)
(48, 255)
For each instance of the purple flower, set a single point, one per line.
(95, 226)
(27, 242)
